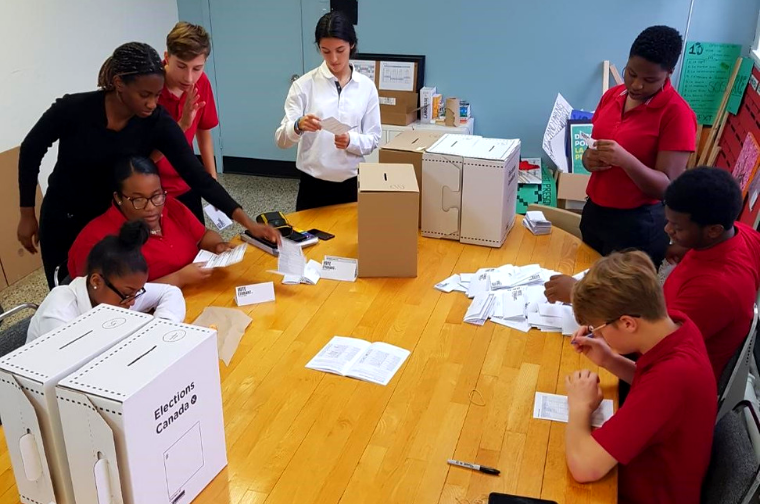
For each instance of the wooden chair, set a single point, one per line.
(562, 219)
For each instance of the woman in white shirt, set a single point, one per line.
(116, 275)
(328, 162)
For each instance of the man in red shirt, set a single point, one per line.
(645, 132)
(188, 97)
(716, 281)
(662, 435)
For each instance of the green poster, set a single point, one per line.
(578, 146)
(704, 76)
(742, 78)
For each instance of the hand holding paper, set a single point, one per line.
(335, 127)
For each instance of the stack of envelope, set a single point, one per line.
(536, 223)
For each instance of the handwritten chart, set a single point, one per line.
(706, 71)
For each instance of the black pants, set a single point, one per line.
(59, 228)
(607, 230)
(192, 200)
(315, 193)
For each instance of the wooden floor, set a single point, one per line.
(300, 436)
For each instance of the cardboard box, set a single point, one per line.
(442, 165)
(408, 148)
(388, 215)
(571, 191)
(426, 104)
(489, 191)
(398, 107)
(28, 405)
(143, 423)
(16, 261)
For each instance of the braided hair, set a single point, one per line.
(129, 61)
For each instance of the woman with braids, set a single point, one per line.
(645, 132)
(94, 130)
(116, 275)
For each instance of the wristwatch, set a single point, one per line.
(296, 128)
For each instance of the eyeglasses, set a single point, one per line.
(124, 299)
(592, 330)
(140, 203)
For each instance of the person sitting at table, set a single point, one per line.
(662, 435)
(116, 274)
(716, 282)
(176, 235)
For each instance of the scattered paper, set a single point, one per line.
(480, 283)
(448, 285)
(554, 136)
(219, 218)
(355, 358)
(396, 76)
(222, 260)
(254, 294)
(334, 126)
(230, 326)
(554, 407)
(310, 275)
(480, 309)
(339, 268)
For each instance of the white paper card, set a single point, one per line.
(554, 136)
(254, 293)
(396, 76)
(227, 258)
(203, 256)
(334, 126)
(554, 407)
(339, 268)
(220, 220)
(590, 142)
(449, 284)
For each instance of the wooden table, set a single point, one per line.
(300, 436)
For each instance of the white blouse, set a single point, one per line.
(67, 302)
(356, 105)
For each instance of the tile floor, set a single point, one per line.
(256, 194)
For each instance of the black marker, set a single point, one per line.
(475, 467)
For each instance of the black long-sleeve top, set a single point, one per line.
(82, 181)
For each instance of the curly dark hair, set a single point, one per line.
(709, 195)
(129, 61)
(658, 44)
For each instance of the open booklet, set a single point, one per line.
(355, 358)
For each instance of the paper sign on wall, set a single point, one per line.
(706, 70)
(396, 76)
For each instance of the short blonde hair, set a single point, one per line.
(188, 41)
(623, 283)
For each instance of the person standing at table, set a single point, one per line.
(189, 99)
(645, 132)
(94, 130)
(329, 163)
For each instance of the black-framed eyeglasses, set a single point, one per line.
(140, 203)
(124, 299)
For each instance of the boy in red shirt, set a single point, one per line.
(188, 97)
(662, 435)
(716, 281)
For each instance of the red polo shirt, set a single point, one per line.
(205, 119)
(665, 122)
(717, 288)
(175, 249)
(662, 434)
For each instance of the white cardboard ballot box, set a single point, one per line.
(489, 191)
(143, 422)
(28, 405)
(442, 166)
(469, 189)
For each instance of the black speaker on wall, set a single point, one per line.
(349, 7)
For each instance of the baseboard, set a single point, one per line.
(260, 167)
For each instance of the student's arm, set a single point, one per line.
(206, 146)
(586, 459)
(213, 242)
(652, 182)
(58, 309)
(172, 142)
(598, 351)
(365, 140)
(40, 138)
(166, 300)
(295, 107)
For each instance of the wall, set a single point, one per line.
(53, 47)
(510, 58)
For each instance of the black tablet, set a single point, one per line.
(497, 498)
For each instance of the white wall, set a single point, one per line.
(54, 47)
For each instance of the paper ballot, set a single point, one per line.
(334, 126)
(219, 218)
(554, 407)
(222, 260)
